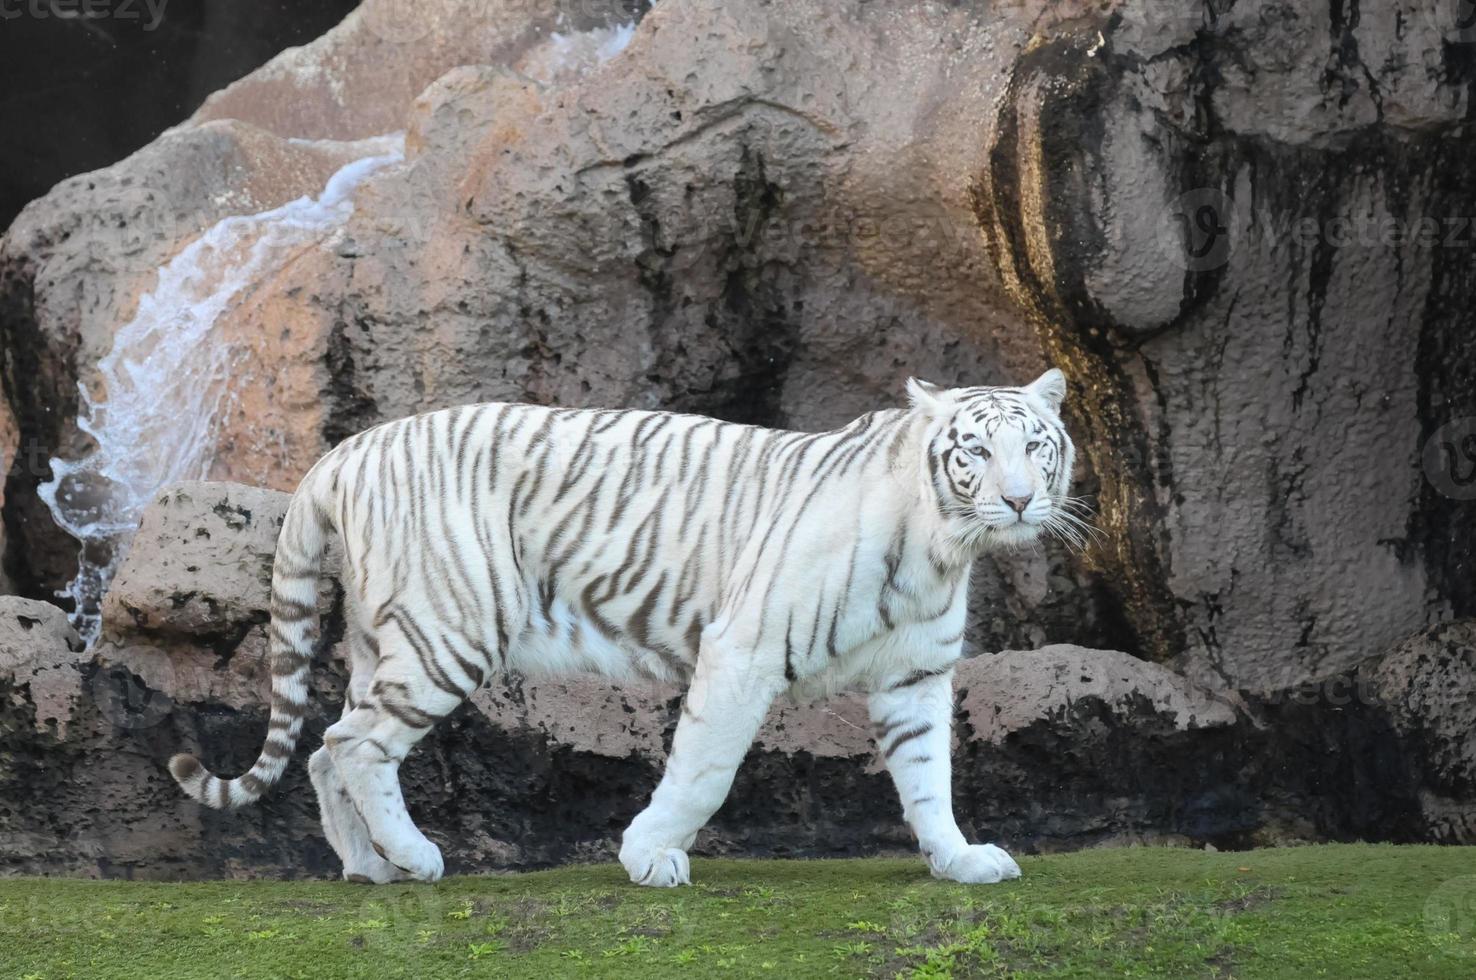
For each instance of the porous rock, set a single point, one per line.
(201, 562)
(39, 651)
(1428, 687)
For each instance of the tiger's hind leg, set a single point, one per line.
(405, 699)
(345, 829)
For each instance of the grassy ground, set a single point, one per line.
(1338, 911)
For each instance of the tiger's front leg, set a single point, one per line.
(912, 717)
(722, 711)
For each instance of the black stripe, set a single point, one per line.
(917, 677)
(909, 735)
(421, 644)
(789, 649)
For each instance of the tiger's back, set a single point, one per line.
(548, 540)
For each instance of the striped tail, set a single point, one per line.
(293, 626)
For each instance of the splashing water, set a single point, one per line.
(573, 54)
(166, 378)
(608, 41)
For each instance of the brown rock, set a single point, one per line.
(201, 563)
(357, 80)
(1009, 692)
(40, 651)
(768, 238)
(113, 229)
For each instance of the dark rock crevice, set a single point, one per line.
(1444, 519)
(39, 384)
(353, 406)
(736, 368)
(1018, 211)
(756, 325)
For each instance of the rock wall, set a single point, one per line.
(743, 215)
(726, 218)
(1245, 233)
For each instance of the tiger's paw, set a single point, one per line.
(979, 864)
(662, 867)
(416, 859)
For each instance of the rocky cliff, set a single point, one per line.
(1245, 232)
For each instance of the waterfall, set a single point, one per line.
(165, 383)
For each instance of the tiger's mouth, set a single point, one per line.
(1016, 530)
(1061, 518)
(998, 517)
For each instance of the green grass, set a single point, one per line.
(1337, 911)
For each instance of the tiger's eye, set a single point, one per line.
(980, 451)
(1032, 447)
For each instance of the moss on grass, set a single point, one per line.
(1346, 911)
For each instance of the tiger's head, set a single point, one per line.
(999, 460)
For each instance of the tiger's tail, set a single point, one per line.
(294, 621)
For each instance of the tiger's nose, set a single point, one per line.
(1019, 503)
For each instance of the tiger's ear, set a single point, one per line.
(1049, 388)
(927, 398)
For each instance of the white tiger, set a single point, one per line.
(743, 561)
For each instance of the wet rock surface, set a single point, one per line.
(1247, 272)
